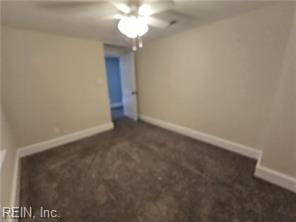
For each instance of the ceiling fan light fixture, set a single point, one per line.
(133, 26)
(142, 26)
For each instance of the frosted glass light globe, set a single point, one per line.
(132, 26)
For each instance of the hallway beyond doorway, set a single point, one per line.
(117, 113)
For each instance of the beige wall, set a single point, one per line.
(220, 78)
(52, 85)
(280, 141)
(7, 144)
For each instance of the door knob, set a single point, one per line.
(134, 93)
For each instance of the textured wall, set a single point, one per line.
(280, 141)
(52, 85)
(219, 79)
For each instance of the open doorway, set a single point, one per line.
(120, 72)
(114, 86)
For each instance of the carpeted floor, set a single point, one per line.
(141, 173)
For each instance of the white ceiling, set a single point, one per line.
(86, 21)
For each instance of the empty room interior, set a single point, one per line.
(148, 111)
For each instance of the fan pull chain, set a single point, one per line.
(140, 42)
(134, 44)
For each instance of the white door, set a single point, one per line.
(128, 82)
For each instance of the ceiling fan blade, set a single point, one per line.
(116, 17)
(155, 7)
(157, 22)
(121, 6)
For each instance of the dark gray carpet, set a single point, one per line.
(141, 173)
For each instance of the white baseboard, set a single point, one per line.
(217, 141)
(15, 187)
(262, 172)
(116, 105)
(275, 177)
(14, 200)
(42, 146)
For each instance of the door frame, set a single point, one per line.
(117, 51)
(129, 85)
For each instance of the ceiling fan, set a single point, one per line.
(134, 16)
